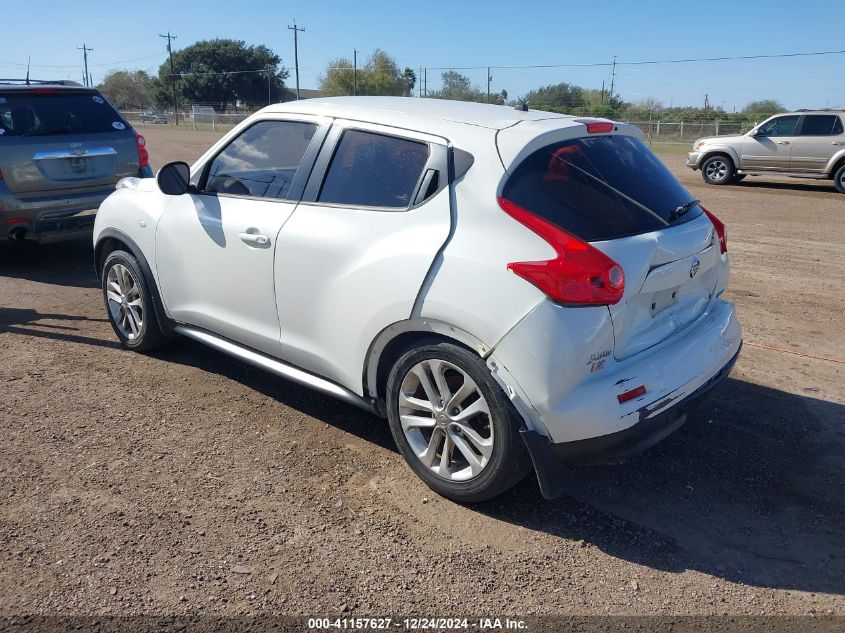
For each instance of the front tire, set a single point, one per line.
(453, 424)
(839, 179)
(718, 170)
(129, 306)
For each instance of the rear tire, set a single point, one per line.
(718, 170)
(129, 306)
(453, 424)
(839, 179)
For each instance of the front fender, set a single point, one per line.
(708, 150)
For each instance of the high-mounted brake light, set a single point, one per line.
(596, 127)
(143, 154)
(721, 231)
(580, 274)
(42, 91)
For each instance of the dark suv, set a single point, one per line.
(62, 149)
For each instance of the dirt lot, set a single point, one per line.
(186, 482)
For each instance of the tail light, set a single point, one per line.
(596, 127)
(721, 231)
(579, 275)
(143, 154)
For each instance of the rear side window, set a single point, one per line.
(56, 113)
(599, 188)
(262, 161)
(374, 170)
(821, 125)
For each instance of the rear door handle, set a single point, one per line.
(837, 143)
(783, 142)
(254, 238)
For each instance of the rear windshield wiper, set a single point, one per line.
(684, 208)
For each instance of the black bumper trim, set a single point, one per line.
(552, 460)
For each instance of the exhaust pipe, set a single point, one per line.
(18, 234)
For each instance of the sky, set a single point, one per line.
(435, 33)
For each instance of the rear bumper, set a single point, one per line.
(551, 460)
(52, 218)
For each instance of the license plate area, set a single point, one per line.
(662, 299)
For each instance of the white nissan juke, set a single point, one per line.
(510, 288)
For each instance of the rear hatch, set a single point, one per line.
(611, 191)
(59, 141)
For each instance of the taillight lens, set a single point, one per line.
(596, 127)
(143, 154)
(579, 275)
(721, 231)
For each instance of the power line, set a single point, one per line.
(643, 62)
(120, 61)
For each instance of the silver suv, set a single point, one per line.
(62, 149)
(801, 144)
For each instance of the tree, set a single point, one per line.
(126, 89)
(222, 72)
(457, 87)
(410, 78)
(562, 97)
(766, 106)
(379, 76)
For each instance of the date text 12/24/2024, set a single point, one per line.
(417, 624)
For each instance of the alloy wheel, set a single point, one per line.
(446, 420)
(717, 170)
(124, 300)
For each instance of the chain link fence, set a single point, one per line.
(654, 131)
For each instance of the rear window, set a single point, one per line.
(821, 125)
(56, 113)
(599, 188)
(374, 170)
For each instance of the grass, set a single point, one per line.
(670, 148)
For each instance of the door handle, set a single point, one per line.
(783, 142)
(254, 238)
(837, 143)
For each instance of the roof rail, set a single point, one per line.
(820, 110)
(26, 82)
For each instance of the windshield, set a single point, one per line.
(600, 188)
(38, 114)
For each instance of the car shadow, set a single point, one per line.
(806, 186)
(29, 322)
(749, 490)
(63, 263)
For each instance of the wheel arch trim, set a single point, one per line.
(724, 150)
(166, 324)
(417, 325)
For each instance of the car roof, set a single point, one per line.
(400, 111)
(24, 85)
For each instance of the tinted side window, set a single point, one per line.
(819, 124)
(373, 170)
(781, 126)
(599, 188)
(262, 161)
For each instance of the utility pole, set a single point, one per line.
(419, 84)
(602, 92)
(169, 37)
(354, 71)
(296, 31)
(489, 79)
(612, 80)
(269, 101)
(85, 50)
(425, 82)
(706, 102)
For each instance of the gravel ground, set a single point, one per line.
(185, 482)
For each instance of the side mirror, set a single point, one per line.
(174, 178)
(757, 132)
